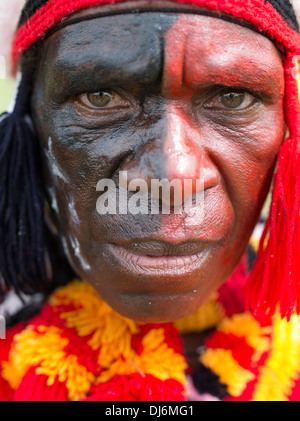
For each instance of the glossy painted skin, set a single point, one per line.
(169, 116)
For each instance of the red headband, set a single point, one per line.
(259, 13)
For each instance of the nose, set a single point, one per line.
(177, 156)
(187, 156)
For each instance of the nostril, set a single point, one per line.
(210, 176)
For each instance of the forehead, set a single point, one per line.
(136, 47)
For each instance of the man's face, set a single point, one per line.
(161, 96)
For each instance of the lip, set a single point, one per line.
(156, 248)
(159, 258)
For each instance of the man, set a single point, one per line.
(146, 91)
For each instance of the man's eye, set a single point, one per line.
(231, 101)
(103, 99)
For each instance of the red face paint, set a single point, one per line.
(198, 58)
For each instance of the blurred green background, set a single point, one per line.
(6, 92)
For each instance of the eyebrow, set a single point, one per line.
(124, 52)
(79, 72)
(249, 68)
(254, 78)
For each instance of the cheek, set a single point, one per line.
(261, 150)
(247, 158)
(74, 160)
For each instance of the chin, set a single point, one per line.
(158, 309)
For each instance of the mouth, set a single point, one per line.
(160, 258)
(158, 281)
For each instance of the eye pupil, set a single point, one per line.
(232, 99)
(99, 99)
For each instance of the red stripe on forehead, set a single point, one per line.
(262, 15)
(174, 57)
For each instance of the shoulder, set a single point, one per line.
(78, 348)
